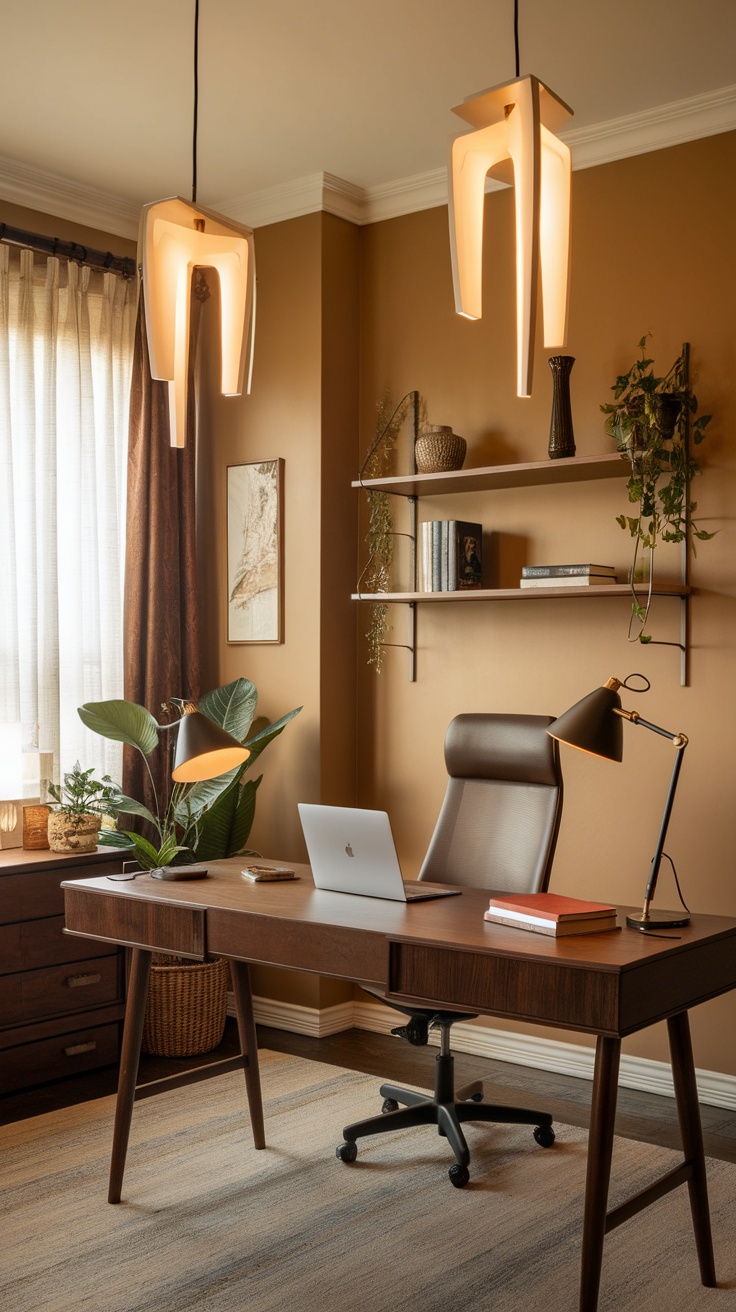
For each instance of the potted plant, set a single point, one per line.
(187, 1001)
(81, 803)
(653, 421)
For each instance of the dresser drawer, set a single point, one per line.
(56, 990)
(35, 893)
(43, 943)
(52, 1059)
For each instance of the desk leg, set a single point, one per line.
(600, 1148)
(688, 1111)
(248, 1047)
(135, 1011)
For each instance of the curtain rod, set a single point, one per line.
(69, 250)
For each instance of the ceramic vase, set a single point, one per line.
(561, 437)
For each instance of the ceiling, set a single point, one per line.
(98, 96)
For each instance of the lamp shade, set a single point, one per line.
(592, 725)
(204, 750)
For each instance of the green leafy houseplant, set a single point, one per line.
(81, 803)
(653, 421)
(201, 821)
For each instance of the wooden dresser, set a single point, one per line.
(61, 998)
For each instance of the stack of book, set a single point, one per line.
(551, 913)
(566, 576)
(451, 555)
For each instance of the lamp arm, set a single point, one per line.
(679, 742)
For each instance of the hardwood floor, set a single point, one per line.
(644, 1116)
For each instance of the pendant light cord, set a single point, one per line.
(516, 34)
(196, 101)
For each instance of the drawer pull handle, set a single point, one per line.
(76, 1048)
(79, 981)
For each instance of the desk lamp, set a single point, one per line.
(203, 749)
(594, 725)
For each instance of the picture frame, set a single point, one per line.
(255, 585)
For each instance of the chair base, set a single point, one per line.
(448, 1112)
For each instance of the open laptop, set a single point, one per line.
(353, 851)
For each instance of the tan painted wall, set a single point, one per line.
(303, 408)
(652, 249)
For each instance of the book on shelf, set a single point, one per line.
(451, 555)
(551, 913)
(568, 581)
(559, 571)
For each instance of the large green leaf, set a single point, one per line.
(125, 722)
(129, 806)
(232, 706)
(223, 829)
(256, 745)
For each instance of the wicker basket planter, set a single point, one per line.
(438, 450)
(187, 1006)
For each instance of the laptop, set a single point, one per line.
(353, 851)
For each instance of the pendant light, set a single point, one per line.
(175, 238)
(513, 137)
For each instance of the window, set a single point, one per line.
(66, 345)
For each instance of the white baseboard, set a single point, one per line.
(714, 1088)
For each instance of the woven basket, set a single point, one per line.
(187, 1006)
(438, 449)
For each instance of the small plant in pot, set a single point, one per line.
(81, 804)
(653, 421)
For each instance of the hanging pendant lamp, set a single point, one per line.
(514, 139)
(175, 238)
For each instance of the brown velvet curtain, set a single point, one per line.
(161, 620)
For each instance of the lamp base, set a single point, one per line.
(659, 920)
(179, 872)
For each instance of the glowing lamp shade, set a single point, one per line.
(204, 750)
(176, 237)
(513, 139)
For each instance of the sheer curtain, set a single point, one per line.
(66, 340)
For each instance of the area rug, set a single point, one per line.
(207, 1223)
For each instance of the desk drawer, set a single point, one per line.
(54, 1058)
(58, 989)
(42, 943)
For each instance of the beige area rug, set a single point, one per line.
(209, 1223)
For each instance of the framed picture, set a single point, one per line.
(254, 552)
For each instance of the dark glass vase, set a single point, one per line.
(561, 437)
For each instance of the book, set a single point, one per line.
(569, 581)
(464, 555)
(550, 906)
(559, 571)
(555, 928)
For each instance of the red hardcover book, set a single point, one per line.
(549, 906)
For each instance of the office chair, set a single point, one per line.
(498, 830)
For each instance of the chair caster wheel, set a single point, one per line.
(389, 1105)
(476, 1097)
(544, 1135)
(347, 1152)
(459, 1175)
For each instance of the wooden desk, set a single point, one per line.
(609, 985)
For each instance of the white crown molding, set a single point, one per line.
(634, 134)
(714, 1088)
(36, 189)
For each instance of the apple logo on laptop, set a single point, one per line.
(349, 849)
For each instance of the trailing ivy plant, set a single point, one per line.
(653, 421)
(376, 576)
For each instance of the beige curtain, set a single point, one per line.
(66, 341)
(162, 639)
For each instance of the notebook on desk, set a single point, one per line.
(353, 851)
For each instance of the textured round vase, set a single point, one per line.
(561, 437)
(439, 450)
(73, 833)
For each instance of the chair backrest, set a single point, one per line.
(500, 818)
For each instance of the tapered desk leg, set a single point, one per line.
(688, 1111)
(249, 1047)
(135, 1011)
(600, 1148)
